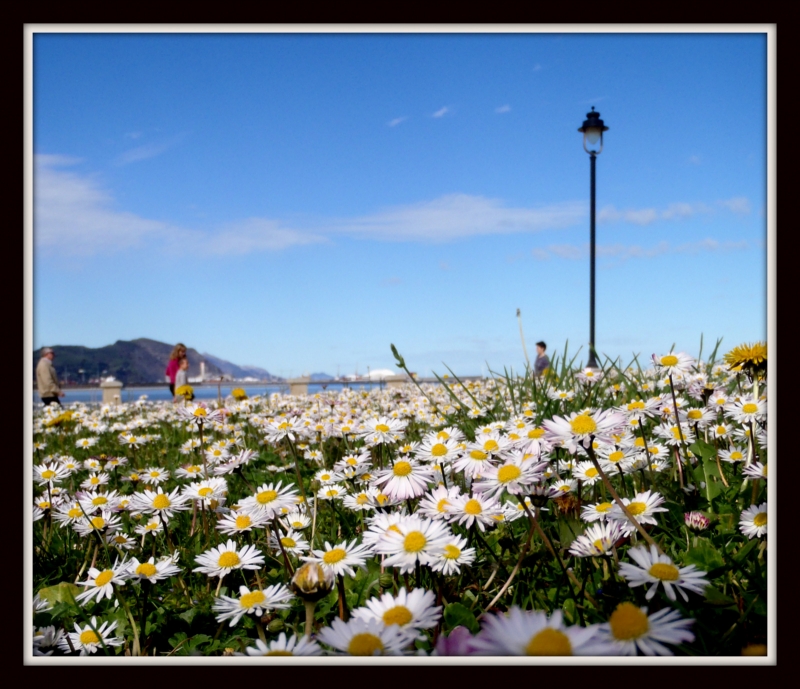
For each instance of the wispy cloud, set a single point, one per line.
(536, 67)
(455, 216)
(441, 112)
(738, 205)
(149, 150)
(623, 252)
(695, 159)
(647, 216)
(132, 135)
(396, 121)
(74, 214)
(594, 101)
(392, 281)
(503, 109)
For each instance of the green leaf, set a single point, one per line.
(704, 556)
(188, 616)
(64, 592)
(456, 615)
(716, 597)
(569, 529)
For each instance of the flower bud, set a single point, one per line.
(276, 625)
(311, 581)
(386, 580)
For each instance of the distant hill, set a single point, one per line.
(320, 376)
(239, 371)
(134, 362)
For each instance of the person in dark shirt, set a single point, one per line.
(542, 363)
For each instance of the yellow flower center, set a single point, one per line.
(442, 505)
(442, 435)
(636, 508)
(146, 569)
(508, 473)
(399, 614)
(243, 521)
(665, 572)
(451, 552)
(478, 456)
(103, 578)
(89, 637)
(490, 445)
(414, 542)
(604, 507)
(332, 493)
(334, 556)
(266, 496)
(760, 519)
(98, 522)
(736, 455)
(591, 472)
(155, 474)
(536, 433)
(364, 645)
(636, 404)
(200, 412)
(748, 408)
(402, 469)
(228, 559)
(628, 622)
(583, 424)
(94, 480)
(205, 490)
(382, 428)
(669, 360)
(439, 450)
(721, 430)
(74, 513)
(288, 542)
(48, 474)
(549, 642)
(473, 507)
(161, 501)
(248, 600)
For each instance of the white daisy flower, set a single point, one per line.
(270, 498)
(753, 522)
(596, 512)
(239, 521)
(415, 609)
(293, 646)
(643, 508)
(453, 556)
(154, 475)
(151, 570)
(478, 508)
(159, 503)
(360, 637)
(439, 503)
(672, 363)
(658, 569)
(597, 540)
(531, 633)
(756, 471)
(222, 559)
(406, 479)
(340, 559)
(88, 639)
(101, 583)
(413, 539)
(577, 428)
(631, 629)
(291, 541)
(256, 602)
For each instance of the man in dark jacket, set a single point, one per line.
(542, 363)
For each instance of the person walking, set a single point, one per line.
(46, 378)
(181, 379)
(542, 362)
(178, 353)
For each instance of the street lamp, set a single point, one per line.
(592, 129)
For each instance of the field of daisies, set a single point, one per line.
(617, 511)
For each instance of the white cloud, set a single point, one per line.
(738, 205)
(132, 135)
(459, 215)
(695, 159)
(74, 214)
(503, 108)
(674, 211)
(536, 67)
(150, 150)
(396, 121)
(441, 112)
(623, 252)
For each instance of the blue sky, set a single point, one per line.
(300, 201)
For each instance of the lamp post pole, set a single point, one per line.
(592, 130)
(592, 362)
